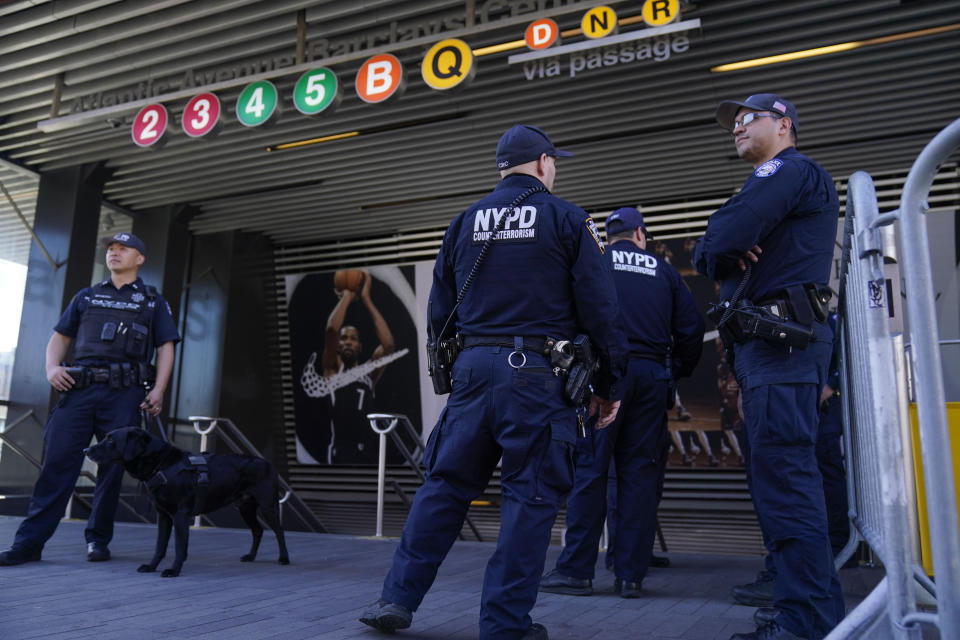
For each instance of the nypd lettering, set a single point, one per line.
(634, 262)
(768, 168)
(520, 224)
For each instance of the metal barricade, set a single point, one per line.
(238, 443)
(75, 494)
(385, 424)
(882, 500)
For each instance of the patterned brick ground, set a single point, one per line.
(330, 580)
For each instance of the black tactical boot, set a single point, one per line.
(556, 582)
(758, 593)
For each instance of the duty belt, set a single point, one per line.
(779, 307)
(804, 303)
(118, 375)
(538, 345)
(659, 359)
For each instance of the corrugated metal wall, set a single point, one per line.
(703, 510)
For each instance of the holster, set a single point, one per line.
(146, 374)
(81, 378)
(440, 358)
(116, 376)
(577, 389)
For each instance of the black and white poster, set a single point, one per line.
(355, 350)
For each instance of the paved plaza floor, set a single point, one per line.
(330, 580)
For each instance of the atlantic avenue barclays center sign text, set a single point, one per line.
(448, 64)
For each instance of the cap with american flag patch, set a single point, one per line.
(727, 110)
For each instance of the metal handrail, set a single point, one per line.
(26, 455)
(238, 443)
(394, 419)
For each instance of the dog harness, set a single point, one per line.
(196, 464)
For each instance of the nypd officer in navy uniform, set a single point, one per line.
(830, 462)
(782, 224)
(544, 276)
(114, 327)
(665, 334)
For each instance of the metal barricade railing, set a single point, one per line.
(873, 383)
(385, 424)
(238, 443)
(26, 455)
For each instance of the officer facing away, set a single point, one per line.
(113, 327)
(544, 276)
(665, 334)
(770, 247)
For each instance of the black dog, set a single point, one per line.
(183, 485)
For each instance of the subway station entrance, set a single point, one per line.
(273, 153)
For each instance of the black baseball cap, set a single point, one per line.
(626, 219)
(727, 110)
(127, 240)
(523, 143)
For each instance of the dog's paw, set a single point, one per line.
(247, 558)
(284, 560)
(170, 573)
(146, 568)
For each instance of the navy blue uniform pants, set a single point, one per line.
(637, 442)
(494, 410)
(78, 416)
(830, 463)
(787, 489)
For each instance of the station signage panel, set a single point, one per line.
(541, 34)
(448, 64)
(599, 22)
(257, 103)
(201, 115)
(379, 78)
(149, 125)
(660, 12)
(316, 91)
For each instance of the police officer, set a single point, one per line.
(770, 248)
(665, 334)
(114, 327)
(830, 462)
(543, 276)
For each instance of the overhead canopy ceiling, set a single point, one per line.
(643, 131)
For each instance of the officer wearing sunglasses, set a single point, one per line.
(782, 224)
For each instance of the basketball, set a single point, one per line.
(351, 279)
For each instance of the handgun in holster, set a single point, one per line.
(577, 389)
(746, 321)
(441, 354)
(81, 379)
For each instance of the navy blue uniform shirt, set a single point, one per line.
(659, 312)
(545, 275)
(789, 207)
(164, 327)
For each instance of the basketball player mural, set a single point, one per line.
(347, 384)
